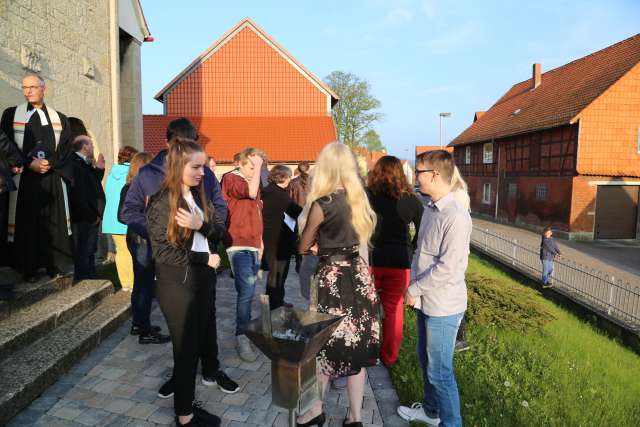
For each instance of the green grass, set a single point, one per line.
(531, 362)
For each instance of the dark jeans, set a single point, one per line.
(85, 243)
(187, 301)
(278, 271)
(143, 282)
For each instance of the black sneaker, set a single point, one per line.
(153, 337)
(224, 383)
(136, 329)
(461, 346)
(202, 417)
(166, 391)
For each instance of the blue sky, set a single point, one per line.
(420, 56)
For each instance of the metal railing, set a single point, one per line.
(609, 296)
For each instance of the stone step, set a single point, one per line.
(31, 323)
(25, 374)
(30, 293)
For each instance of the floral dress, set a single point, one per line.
(345, 288)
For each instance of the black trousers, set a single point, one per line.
(278, 271)
(187, 299)
(85, 243)
(4, 214)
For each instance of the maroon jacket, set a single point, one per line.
(244, 223)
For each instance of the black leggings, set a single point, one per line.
(187, 300)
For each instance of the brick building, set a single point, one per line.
(247, 91)
(562, 148)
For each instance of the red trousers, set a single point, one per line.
(391, 284)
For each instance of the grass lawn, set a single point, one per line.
(531, 362)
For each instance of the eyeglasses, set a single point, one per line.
(419, 171)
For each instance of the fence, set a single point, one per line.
(613, 298)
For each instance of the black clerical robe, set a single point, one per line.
(42, 237)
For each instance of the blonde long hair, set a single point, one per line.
(336, 168)
(460, 189)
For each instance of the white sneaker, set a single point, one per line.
(245, 351)
(416, 413)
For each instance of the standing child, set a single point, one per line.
(548, 251)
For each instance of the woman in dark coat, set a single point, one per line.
(279, 213)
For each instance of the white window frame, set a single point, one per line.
(542, 191)
(487, 153)
(486, 193)
(467, 154)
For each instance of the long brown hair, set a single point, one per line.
(388, 178)
(179, 154)
(137, 161)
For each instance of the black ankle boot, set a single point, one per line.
(353, 424)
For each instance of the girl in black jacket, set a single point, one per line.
(183, 229)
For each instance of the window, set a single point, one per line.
(486, 193)
(487, 153)
(513, 190)
(541, 191)
(467, 153)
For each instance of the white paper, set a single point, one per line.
(290, 222)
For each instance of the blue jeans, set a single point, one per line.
(547, 270)
(436, 342)
(245, 266)
(143, 283)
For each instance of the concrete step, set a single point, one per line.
(25, 374)
(31, 323)
(30, 293)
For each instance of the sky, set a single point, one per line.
(421, 57)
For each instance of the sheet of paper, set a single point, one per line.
(290, 222)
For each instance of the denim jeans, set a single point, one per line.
(245, 266)
(143, 283)
(436, 342)
(547, 270)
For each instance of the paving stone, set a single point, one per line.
(236, 413)
(141, 411)
(262, 417)
(111, 373)
(92, 417)
(43, 403)
(125, 390)
(119, 406)
(164, 416)
(237, 399)
(25, 418)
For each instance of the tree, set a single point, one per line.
(372, 141)
(354, 113)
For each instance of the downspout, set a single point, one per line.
(495, 215)
(114, 53)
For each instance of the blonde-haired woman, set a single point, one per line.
(338, 219)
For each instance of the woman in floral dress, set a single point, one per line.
(337, 221)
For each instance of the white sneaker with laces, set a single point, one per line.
(416, 413)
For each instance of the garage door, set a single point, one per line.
(616, 211)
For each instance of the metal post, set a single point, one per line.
(292, 418)
(613, 281)
(514, 251)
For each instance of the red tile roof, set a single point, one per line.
(244, 24)
(424, 148)
(284, 139)
(563, 93)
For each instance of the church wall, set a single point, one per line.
(67, 42)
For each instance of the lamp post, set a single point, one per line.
(441, 116)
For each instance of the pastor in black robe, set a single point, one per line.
(41, 237)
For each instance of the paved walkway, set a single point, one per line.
(116, 384)
(618, 258)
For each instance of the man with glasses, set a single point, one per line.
(39, 221)
(437, 289)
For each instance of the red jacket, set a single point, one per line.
(244, 223)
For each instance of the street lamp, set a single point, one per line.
(441, 116)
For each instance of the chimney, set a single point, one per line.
(537, 76)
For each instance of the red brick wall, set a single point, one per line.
(246, 77)
(476, 184)
(609, 130)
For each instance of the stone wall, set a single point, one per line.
(67, 42)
